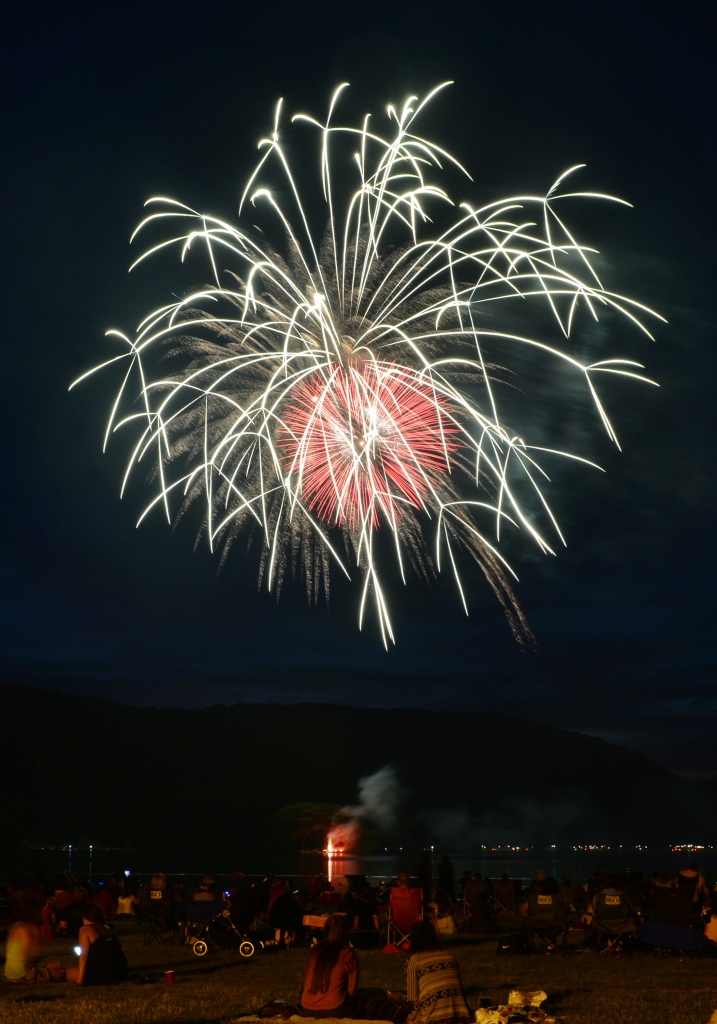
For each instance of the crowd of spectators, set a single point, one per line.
(35, 914)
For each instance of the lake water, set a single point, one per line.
(577, 865)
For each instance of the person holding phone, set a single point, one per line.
(102, 960)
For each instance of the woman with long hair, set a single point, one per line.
(331, 973)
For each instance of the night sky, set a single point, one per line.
(109, 104)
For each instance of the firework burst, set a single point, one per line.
(335, 388)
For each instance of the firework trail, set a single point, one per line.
(341, 392)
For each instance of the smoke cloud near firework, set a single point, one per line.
(566, 816)
(400, 814)
(380, 799)
(345, 396)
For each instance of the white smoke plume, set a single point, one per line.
(379, 800)
(386, 804)
(567, 816)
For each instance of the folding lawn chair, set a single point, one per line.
(673, 925)
(504, 897)
(405, 908)
(151, 926)
(673, 906)
(545, 921)
(472, 892)
(613, 924)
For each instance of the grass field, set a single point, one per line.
(583, 988)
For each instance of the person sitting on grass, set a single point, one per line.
(331, 973)
(23, 964)
(286, 917)
(102, 960)
(433, 982)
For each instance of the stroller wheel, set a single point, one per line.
(200, 947)
(247, 948)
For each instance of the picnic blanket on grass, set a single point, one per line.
(296, 1018)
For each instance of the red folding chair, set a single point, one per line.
(405, 908)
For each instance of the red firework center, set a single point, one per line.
(365, 438)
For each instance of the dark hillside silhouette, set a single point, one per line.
(211, 780)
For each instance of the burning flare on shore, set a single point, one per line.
(343, 838)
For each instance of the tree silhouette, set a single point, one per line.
(308, 822)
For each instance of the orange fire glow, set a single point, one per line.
(342, 838)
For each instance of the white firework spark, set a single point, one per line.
(340, 390)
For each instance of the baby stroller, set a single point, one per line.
(229, 928)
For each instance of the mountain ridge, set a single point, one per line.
(165, 777)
